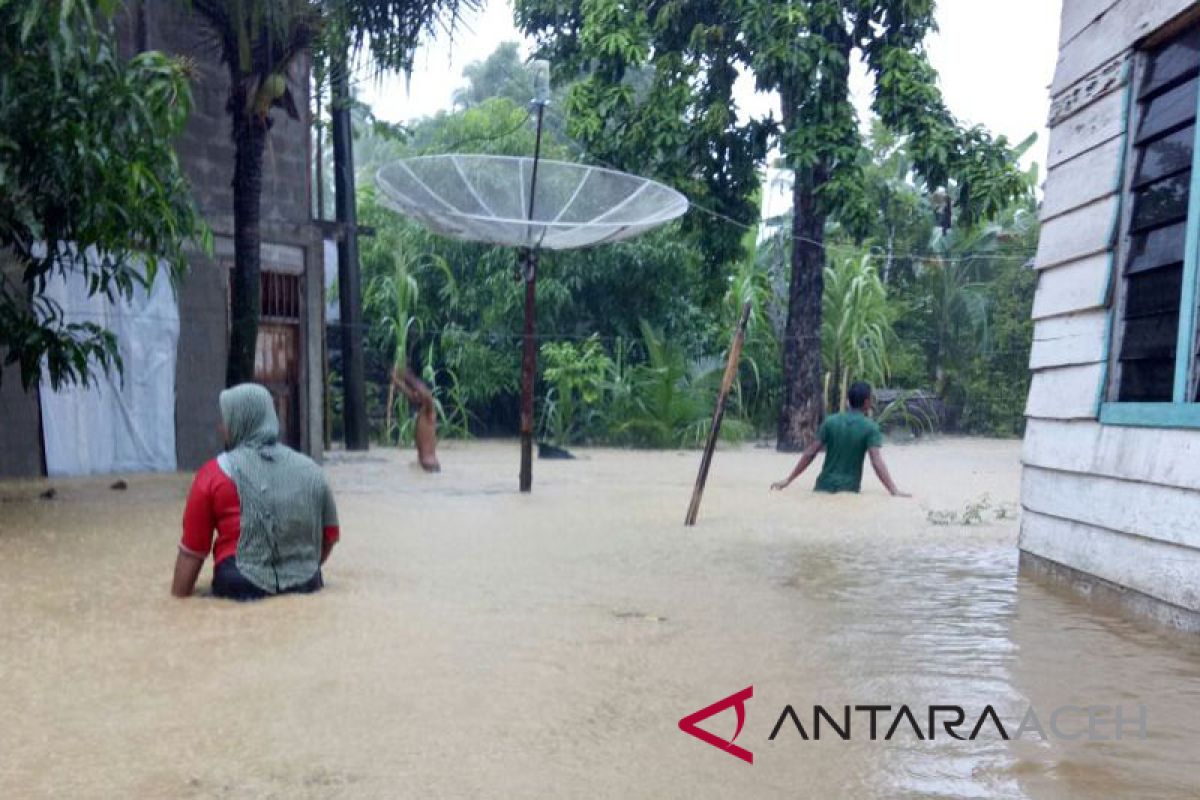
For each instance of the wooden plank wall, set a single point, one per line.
(1118, 503)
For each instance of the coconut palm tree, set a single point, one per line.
(261, 43)
(956, 273)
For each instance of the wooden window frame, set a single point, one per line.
(1183, 411)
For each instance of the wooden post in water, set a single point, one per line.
(731, 369)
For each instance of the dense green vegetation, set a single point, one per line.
(917, 262)
(89, 181)
(633, 335)
(653, 88)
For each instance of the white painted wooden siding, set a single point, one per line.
(1112, 32)
(1089, 177)
(1163, 513)
(1079, 14)
(1065, 393)
(1157, 569)
(1078, 234)
(1069, 288)
(1092, 126)
(1151, 455)
(1121, 503)
(1071, 340)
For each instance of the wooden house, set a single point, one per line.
(1111, 481)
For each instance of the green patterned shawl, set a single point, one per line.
(285, 501)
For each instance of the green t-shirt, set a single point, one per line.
(847, 438)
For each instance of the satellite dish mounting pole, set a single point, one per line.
(529, 356)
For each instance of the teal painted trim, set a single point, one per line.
(1151, 415)
(1102, 389)
(1114, 232)
(1109, 289)
(1187, 313)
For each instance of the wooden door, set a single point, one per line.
(277, 354)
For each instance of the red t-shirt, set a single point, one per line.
(213, 504)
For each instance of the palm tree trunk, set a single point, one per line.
(249, 137)
(800, 415)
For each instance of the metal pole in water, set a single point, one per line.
(528, 371)
(529, 356)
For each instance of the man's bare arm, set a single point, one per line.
(400, 383)
(806, 459)
(187, 572)
(885, 477)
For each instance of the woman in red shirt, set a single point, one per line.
(276, 542)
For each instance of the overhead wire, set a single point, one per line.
(561, 118)
(743, 226)
(210, 314)
(710, 212)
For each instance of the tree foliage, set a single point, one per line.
(682, 123)
(501, 74)
(633, 340)
(469, 335)
(89, 181)
(651, 92)
(260, 42)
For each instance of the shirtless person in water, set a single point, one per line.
(426, 435)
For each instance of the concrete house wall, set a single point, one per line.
(1113, 509)
(291, 243)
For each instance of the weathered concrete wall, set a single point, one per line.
(20, 414)
(207, 152)
(20, 439)
(200, 375)
(206, 147)
(1110, 502)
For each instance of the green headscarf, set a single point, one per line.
(285, 501)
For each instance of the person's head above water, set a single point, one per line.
(248, 417)
(860, 396)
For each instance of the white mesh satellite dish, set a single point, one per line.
(486, 199)
(531, 204)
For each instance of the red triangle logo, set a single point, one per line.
(737, 701)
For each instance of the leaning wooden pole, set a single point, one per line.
(714, 431)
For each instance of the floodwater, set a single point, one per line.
(472, 642)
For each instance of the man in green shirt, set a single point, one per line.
(847, 439)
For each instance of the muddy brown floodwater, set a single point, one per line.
(472, 642)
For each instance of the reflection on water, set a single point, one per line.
(476, 643)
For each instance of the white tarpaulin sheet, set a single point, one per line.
(122, 422)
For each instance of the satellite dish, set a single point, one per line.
(485, 198)
(488, 199)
